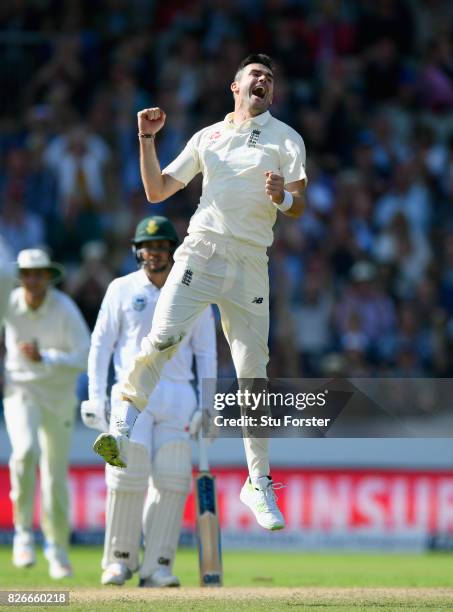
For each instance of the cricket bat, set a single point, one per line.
(208, 529)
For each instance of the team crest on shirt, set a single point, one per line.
(139, 302)
(253, 138)
(214, 136)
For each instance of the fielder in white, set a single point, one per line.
(253, 166)
(6, 277)
(47, 342)
(165, 425)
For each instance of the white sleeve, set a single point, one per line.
(103, 341)
(204, 346)
(293, 157)
(187, 164)
(6, 281)
(77, 336)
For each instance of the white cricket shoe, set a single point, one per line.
(23, 549)
(116, 573)
(162, 577)
(59, 566)
(262, 502)
(112, 447)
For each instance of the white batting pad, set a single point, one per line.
(171, 474)
(125, 499)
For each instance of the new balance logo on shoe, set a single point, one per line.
(257, 300)
(187, 277)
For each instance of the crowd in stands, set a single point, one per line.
(362, 283)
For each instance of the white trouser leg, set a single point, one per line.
(126, 490)
(247, 336)
(257, 455)
(22, 422)
(54, 439)
(177, 308)
(171, 474)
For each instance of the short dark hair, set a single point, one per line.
(256, 58)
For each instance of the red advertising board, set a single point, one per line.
(314, 501)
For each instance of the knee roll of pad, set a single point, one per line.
(172, 467)
(135, 476)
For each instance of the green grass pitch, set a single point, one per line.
(258, 581)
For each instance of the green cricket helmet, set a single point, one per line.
(154, 228)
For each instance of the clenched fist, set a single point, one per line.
(150, 120)
(30, 350)
(275, 187)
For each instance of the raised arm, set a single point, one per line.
(157, 186)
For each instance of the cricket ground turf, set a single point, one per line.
(261, 580)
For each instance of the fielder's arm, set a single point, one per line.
(157, 186)
(77, 338)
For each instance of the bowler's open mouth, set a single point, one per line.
(259, 91)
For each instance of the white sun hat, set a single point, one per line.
(38, 259)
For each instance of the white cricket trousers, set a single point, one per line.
(211, 269)
(38, 433)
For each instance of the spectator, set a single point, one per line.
(88, 285)
(437, 78)
(311, 314)
(20, 228)
(365, 313)
(79, 161)
(409, 195)
(405, 249)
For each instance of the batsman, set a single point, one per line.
(159, 457)
(253, 168)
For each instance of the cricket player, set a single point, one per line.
(169, 417)
(47, 343)
(6, 277)
(253, 167)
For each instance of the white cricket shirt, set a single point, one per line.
(233, 160)
(63, 339)
(125, 319)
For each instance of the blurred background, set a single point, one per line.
(361, 285)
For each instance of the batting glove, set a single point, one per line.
(96, 414)
(203, 419)
(195, 424)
